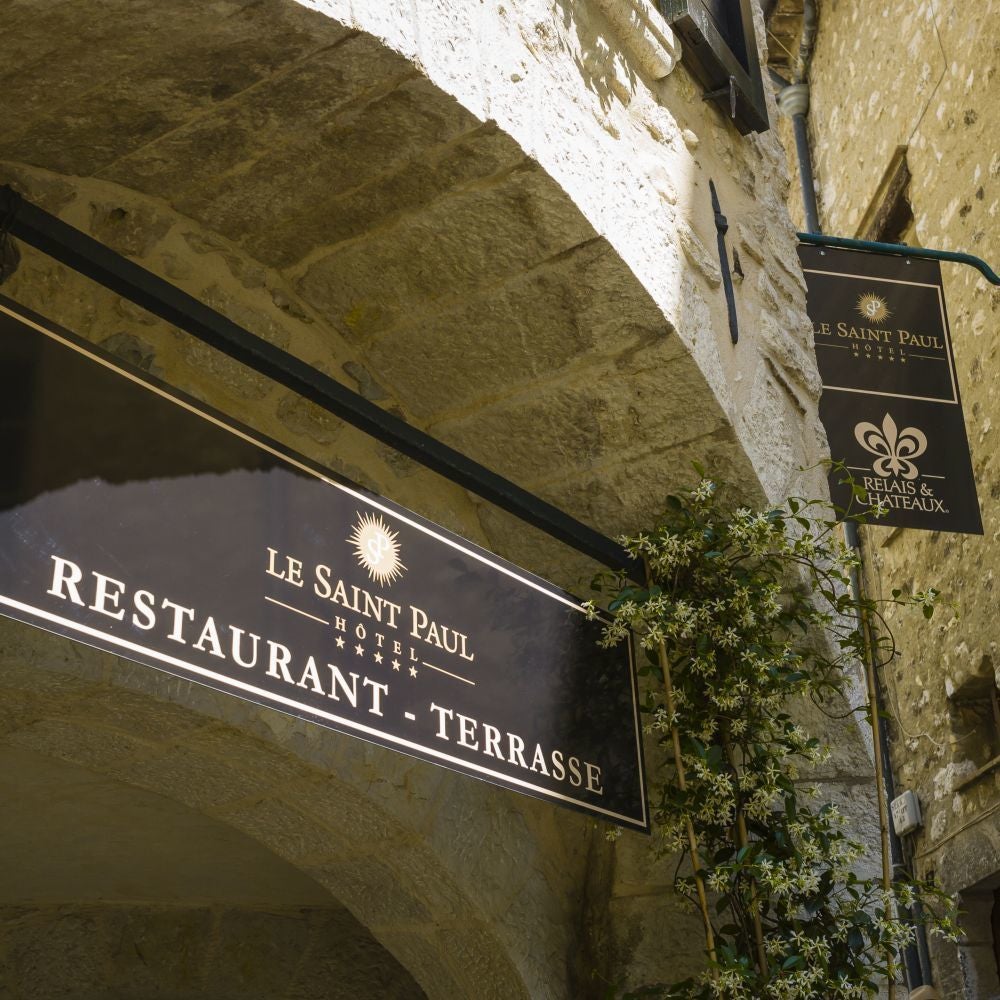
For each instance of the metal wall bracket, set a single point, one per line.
(721, 228)
(730, 89)
(955, 256)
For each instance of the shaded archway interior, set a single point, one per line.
(450, 279)
(156, 830)
(108, 890)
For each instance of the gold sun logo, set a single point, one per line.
(376, 546)
(873, 307)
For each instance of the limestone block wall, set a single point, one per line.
(923, 75)
(635, 155)
(494, 220)
(192, 953)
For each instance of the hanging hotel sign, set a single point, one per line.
(143, 523)
(890, 401)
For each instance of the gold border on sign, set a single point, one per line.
(944, 327)
(378, 735)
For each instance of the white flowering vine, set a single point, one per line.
(744, 613)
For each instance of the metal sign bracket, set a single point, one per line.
(956, 257)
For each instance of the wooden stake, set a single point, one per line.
(872, 685)
(883, 807)
(742, 840)
(675, 736)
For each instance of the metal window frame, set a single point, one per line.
(738, 92)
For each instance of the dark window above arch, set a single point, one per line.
(719, 48)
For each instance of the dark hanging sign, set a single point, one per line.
(141, 522)
(890, 402)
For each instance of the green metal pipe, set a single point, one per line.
(903, 251)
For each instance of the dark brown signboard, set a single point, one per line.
(890, 402)
(139, 521)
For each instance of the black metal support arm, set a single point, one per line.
(721, 228)
(82, 253)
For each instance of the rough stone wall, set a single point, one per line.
(635, 155)
(924, 75)
(109, 952)
(494, 200)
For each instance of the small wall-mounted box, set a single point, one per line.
(905, 813)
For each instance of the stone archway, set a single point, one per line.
(512, 260)
(111, 890)
(520, 272)
(272, 815)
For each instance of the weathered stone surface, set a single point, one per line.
(132, 100)
(390, 124)
(197, 781)
(406, 186)
(202, 953)
(360, 969)
(560, 317)
(470, 955)
(480, 207)
(77, 743)
(372, 891)
(303, 417)
(416, 949)
(133, 233)
(356, 821)
(159, 946)
(472, 238)
(578, 425)
(644, 925)
(66, 957)
(137, 715)
(644, 499)
(285, 828)
(134, 350)
(934, 93)
(486, 844)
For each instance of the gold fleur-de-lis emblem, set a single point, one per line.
(896, 448)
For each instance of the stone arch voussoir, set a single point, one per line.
(248, 767)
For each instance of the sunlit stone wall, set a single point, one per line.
(493, 220)
(924, 76)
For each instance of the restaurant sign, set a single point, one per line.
(139, 521)
(890, 403)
